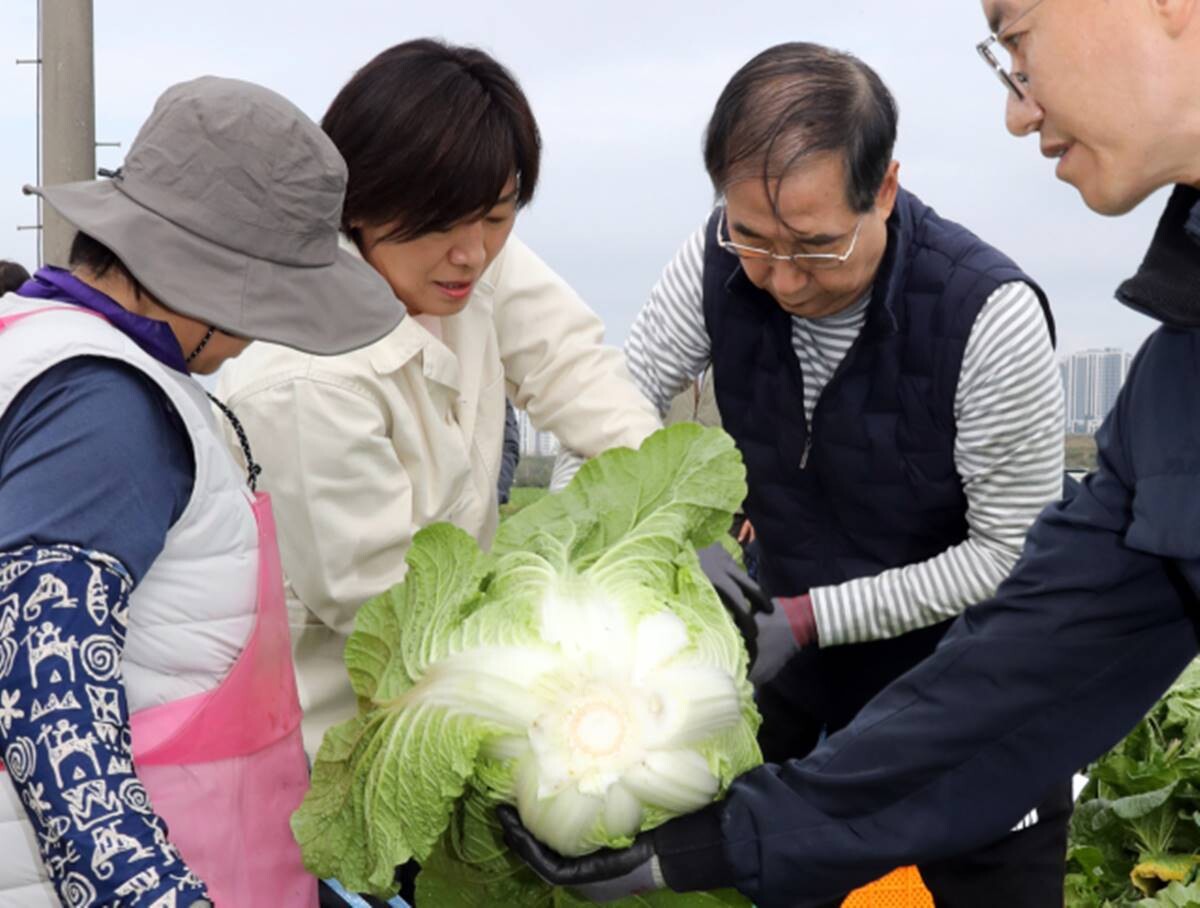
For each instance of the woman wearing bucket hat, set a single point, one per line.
(363, 450)
(148, 714)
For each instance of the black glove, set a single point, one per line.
(741, 596)
(603, 876)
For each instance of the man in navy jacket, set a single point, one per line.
(1099, 615)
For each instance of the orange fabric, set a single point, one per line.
(899, 889)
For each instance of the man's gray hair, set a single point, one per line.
(796, 100)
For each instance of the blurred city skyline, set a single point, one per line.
(1092, 379)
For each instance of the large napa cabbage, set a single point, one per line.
(584, 671)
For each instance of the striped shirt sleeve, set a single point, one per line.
(1009, 453)
(668, 345)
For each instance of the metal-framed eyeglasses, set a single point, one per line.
(1010, 79)
(807, 260)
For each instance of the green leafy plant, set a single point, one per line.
(1176, 895)
(1135, 835)
(583, 670)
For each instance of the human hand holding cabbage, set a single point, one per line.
(774, 629)
(584, 671)
(607, 875)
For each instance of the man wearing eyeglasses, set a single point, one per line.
(1100, 614)
(890, 380)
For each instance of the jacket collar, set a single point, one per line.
(408, 340)
(892, 275)
(411, 339)
(1167, 285)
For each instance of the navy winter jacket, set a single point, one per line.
(1098, 618)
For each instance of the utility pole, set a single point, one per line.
(68, 112)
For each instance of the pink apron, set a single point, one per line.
(226, 768)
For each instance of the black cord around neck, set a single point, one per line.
(252, 469)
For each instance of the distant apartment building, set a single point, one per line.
(1091, 381)
(533, 442)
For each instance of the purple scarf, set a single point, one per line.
(155, 337)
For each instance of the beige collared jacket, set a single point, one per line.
(360, 451)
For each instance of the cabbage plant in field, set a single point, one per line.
(1135, 834)
(584, 670)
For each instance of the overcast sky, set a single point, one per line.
(622, 91)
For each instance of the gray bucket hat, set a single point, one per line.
(227, 210)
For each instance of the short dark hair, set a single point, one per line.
(431, 133)
(88, 252)
(12, 276)
(799, 99)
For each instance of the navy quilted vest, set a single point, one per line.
(872, 484)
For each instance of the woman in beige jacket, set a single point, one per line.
(360, 451)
